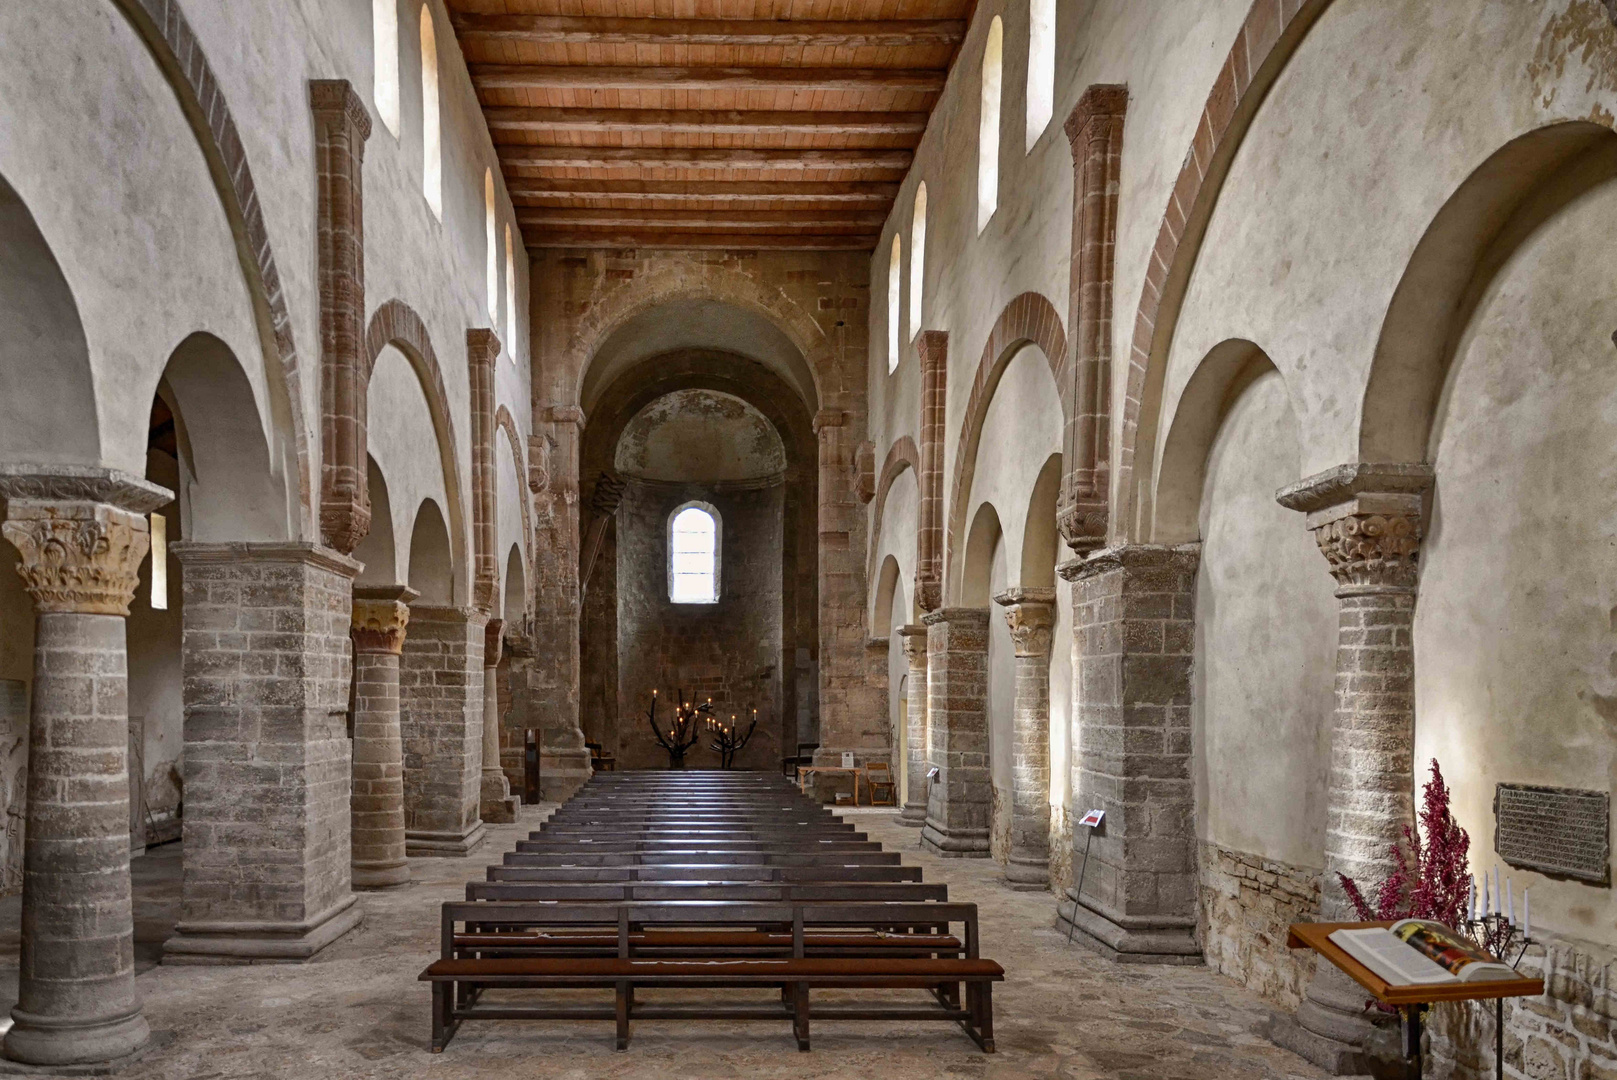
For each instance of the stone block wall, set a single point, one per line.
(1247, 903)
(441, 719)
(729, 651)
(13, 781)
(1570, 1033)
(267, 773)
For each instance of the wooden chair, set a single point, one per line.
(879, 779)
(600, 760)
(804, 756)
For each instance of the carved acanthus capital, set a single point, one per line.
(493, 642)
(1082, 522)
(81, 532)
(913, 638)
(1090, 119)
(380, 617)
(1031, 614)
(1367, 520)
(928, 593)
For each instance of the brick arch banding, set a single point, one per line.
(1028, 319)
(903, 454)
(507, 423)
(1266, 42)
(162, 25)
(396, 323)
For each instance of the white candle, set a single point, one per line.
(1497, 895)
(1510, 901)
(1471, 899)
(1487, 897)
(1527, 914)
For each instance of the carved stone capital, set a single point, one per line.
(1103, 101)
(928, 593)
(334, 102)
(1031, 615)
(493, 642)
(482, 346)
(81, 532)
(1367, 520)
(1082, 522)
(913, 640)
(864, 468)
(380, 616)
(828, 418)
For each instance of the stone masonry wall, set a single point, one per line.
(728, 651)
(1247, 902)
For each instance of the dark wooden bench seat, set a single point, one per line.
(703, 872)
(719, 889)
(459, 982)
(578, 857)
(606, 843)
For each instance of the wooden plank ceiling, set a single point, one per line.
(707, 123)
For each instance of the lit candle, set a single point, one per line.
(1471, 899)
(1527, 914)
(1510, 901)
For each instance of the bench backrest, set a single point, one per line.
(717, 889)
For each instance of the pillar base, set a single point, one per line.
(497, 805)
(52, 1042)
(1331, 1028)
(913, 815)
(261, 942)
(562, 773)
(377, 876)
(419, 844)
(1027, 874)
(1131, 939)
(1336, 1058)
(948, 843)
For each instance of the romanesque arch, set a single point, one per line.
(163, 27)
(1029, 319)
(396, 323)
(506, 423)
(1266, 42)
(902, 455)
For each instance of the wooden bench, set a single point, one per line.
(579, 857)
(683, 891)
(703, 872)
(458, 982)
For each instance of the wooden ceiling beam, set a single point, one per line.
(548, 238)
(789, 33)
(853, 191)
(763, 221)
(701, 121)
(795, 79)
(620, 157)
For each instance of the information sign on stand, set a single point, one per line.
(1091, 820)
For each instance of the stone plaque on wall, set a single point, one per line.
(1562, 832)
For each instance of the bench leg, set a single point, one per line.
(980, 1015)
(623, 1015)
(444, 1023)
(800, 1015)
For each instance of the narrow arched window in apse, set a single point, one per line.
(894, 279)
(693, 555)
(510, 297)
(1041, 67)
(988, 126)
(432, 182)
(917, 258)
(491, 244)
(385, 69)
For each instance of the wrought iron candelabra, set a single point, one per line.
(728, 738)
(683, 731)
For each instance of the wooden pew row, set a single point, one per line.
(581, 857)
(703, 872)
(706, 890)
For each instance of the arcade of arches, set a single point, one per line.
(1201, 412)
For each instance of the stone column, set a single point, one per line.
(497, 803)
(551, 702)
(341, 127)
(1095, 132)
(482, 351)
(82, 534)
(852, 716)
(933, 349)
(380, 617)
(1367, 520)
(441, 721)
(519, 658)
(960, 800)
(914, 812)
(268, 773)
(1134, 631)
(1031, 615)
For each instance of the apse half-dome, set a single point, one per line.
(700, 435)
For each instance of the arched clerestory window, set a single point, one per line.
(895, 272)
(1041, 67)
(693, 554)
(385, 71)
(988, 126)
(917, 257)
(432, 182)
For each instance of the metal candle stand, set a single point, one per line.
(683, 733)
(725, 739)
(1498, 934)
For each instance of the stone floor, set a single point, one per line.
(357, 1011)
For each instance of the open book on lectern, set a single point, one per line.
(1420, 952)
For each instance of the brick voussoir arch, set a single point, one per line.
(903, 454)
(507, 423)
(396, 323)
(1267, 40)
(174, 45)
(1028, 319)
